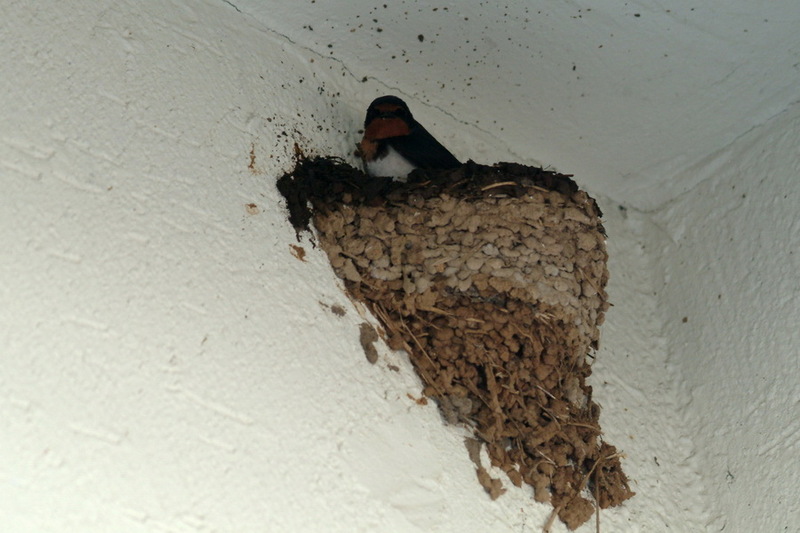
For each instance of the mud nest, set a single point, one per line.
(493, 279)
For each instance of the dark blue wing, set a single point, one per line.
(422, 150)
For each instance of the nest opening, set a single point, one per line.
(493, 279)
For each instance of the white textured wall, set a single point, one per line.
(169, 365)
(730, 252)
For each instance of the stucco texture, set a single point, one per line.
(171, 361)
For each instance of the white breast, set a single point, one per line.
(392, 165)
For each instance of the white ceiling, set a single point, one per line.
(622, 94)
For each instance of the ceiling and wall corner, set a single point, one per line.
(625, 94)
(173, 361)
(729, 307)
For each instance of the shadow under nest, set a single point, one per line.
(493, 279)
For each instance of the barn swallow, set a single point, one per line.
(394, 143)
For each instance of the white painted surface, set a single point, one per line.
(731, 268)
(624, 94)
(168, 365)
